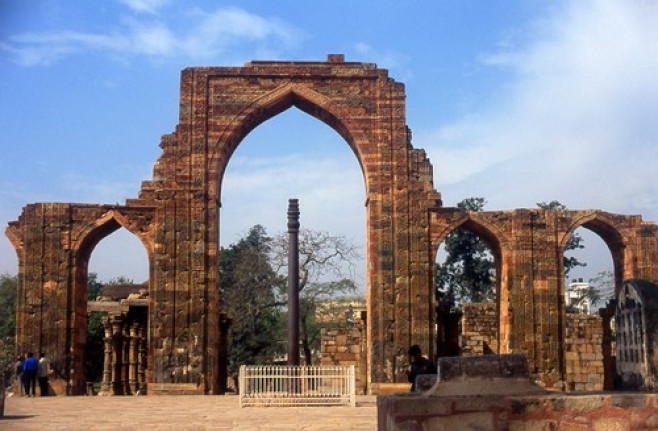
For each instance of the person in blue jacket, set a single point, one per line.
(30, 368)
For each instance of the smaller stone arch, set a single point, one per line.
(618, 241)
(477, 223)
(88, 236)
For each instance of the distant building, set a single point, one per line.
(575, 297)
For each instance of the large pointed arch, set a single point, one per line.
(275, 102)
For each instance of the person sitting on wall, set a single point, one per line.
(419, 365)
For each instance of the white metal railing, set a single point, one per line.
(280, 385)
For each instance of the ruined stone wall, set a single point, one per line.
(346, 346)
(54, 242)
(528, 246)
(583, 353)
(479, 329)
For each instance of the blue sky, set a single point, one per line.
(517, 101)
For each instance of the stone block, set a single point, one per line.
(627, 401)
(479, 403)
(583, 403)
(466, 422)
(415, 405)
(573, 426)
(533, 425)
(611, 424)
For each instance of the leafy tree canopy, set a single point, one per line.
(247, 294)
(8, 286)
(468, 273)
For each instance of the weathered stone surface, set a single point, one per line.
(466, 421)
(529, 412)
(611, 424)
(533, 425)
(490, 366)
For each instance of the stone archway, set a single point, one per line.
(219, 107)
(620, 246)
(497, 244)
(176, 215)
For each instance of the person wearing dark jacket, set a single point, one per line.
(419, 365)
(30, 368)
(20, 383)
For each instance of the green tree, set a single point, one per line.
(468, 273)
(94, 286)
(120, 280)
(247, 295)
(326, 265)
(575, 241)
(8, 286)
(95, 333)
(94, 349)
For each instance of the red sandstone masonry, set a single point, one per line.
(596, 412)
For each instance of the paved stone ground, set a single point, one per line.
(185, 412)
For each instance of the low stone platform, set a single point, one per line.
(495, 393)
(479, 375)
(549, 412)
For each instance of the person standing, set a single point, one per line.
(43, 373)
(20, 384)
(30, 368)
(419, 365)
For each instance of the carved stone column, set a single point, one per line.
(141, 359)
(106, 385)
(125, 360)
(117, 341)
(132, 358)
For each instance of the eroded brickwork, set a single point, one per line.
(346, 346)
(176, 215)
(479, 329)
(583, 353)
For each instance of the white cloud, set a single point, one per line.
(206, 35)
(385, 59)
(146, 6)
(578, 122)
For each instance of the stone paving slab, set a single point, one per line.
(184, 412)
